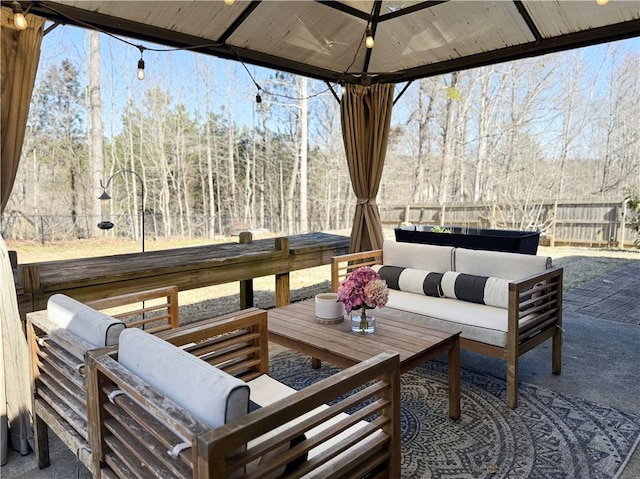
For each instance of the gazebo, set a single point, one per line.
(365, 46)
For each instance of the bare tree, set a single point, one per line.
(97, 146)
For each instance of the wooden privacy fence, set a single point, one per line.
(561, 223)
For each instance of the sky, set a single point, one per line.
(181, 73)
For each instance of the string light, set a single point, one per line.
(602, 2)
(229, 2)
(19, 20)
(142, 48)
(259, 105)
(369, 42)
(141, 64)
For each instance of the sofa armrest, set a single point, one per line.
(343, 265)
(133, 436)
(535, 303)
(154, 317)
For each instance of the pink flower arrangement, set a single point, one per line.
(363, 289)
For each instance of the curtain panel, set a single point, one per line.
(365, 113)
(20, 57)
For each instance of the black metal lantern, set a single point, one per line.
(106, 223)
(105, 206)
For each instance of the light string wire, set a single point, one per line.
(143, 48)
(360, 43)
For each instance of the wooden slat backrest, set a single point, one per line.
(162, 314)
(236, 342)
(343, 266)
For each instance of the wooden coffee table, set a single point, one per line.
(295, 327)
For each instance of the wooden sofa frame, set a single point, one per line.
(539, 294)
(132, 432)
(57, 366)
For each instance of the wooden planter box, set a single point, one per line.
(510, 241)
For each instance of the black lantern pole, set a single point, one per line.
(106, 223)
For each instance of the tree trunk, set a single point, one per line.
(96, 132)
(230, 146)
(304, 125)
(449, 138)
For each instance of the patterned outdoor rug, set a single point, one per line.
(549, 435)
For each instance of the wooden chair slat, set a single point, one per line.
(136, 439)
(125, 409)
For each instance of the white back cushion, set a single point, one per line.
(499, 264)
(437, 259)
(207, 392)
(93, 326)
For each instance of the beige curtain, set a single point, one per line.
(20, 56)
(15, 389)
(366, 116)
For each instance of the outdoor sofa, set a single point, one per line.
(503, 304)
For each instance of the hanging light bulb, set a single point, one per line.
(229, 2)
(369, 42)
(141, 69)
(19, 20)
(602, 2)
(259, 105)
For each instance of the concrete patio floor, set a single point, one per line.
(600, 361)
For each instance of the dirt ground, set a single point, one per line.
(580, 265)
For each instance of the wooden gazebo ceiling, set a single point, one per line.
(323, 39)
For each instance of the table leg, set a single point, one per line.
(454, 379)
(316, 363)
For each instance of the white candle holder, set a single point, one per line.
(328, 309)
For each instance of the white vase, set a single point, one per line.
(328, 309)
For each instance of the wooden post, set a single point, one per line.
(621, 228)
(407, 215)
(283, 292)
(30, 277)
(246, 286)
(554, 214)
(493, 223)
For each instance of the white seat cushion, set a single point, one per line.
(93, 326)
(265, 390)
(478, 322)
(208, 393)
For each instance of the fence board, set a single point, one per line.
(578, 223)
